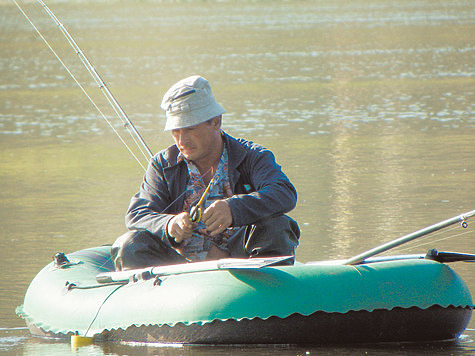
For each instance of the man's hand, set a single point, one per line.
(217, 217)
(180, 227)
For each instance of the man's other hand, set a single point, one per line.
(217, 217)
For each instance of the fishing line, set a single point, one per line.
(103, 87)
(97, 79)
(411, 245)
(99, 267)
(100, 82)
(438, 240)
(398, 250)
(432, 235)
(184, 192)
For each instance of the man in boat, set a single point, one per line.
(242, 193)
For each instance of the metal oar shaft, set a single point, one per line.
(203, 266)
(387, 246)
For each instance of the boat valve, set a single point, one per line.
(60, 260)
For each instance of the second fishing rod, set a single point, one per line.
(139, 141)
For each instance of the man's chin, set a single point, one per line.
(188, 154)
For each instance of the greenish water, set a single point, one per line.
(368, 106)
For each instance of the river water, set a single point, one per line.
(367, 104)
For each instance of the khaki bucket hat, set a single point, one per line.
(189, 102)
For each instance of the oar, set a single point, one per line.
(158, 271)
(391, 244)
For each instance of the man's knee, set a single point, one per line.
(139, 249)
(277, 236)
(124, 249)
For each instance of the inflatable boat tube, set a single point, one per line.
(393, 299)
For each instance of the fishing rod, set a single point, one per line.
(99, 81)
(391, 244)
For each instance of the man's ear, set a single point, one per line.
(217, 122)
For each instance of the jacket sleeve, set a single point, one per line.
(147, 207)
(271, 193)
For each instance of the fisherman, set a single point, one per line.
(210, 195)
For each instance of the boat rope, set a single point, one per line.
(128, 125)
(71, 286)
(100, 307)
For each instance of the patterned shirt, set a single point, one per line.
(198, 245)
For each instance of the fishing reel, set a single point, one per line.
(195, 213)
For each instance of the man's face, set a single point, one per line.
(199, 143)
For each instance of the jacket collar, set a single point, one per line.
(236, 155)
(172, 156)
(236, 152)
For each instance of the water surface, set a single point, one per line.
(368, 106)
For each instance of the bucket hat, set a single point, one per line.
(189, 102)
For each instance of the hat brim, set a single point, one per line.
(183, 120)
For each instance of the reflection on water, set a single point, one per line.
(368, 106)
(343, 201)
(20, 343)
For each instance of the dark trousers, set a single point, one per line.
(277, 236)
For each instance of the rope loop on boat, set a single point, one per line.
(70, 286)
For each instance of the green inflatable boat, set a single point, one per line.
(232, 301)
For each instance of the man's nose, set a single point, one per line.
(181, 137)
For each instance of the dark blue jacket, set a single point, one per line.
(260, 188)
